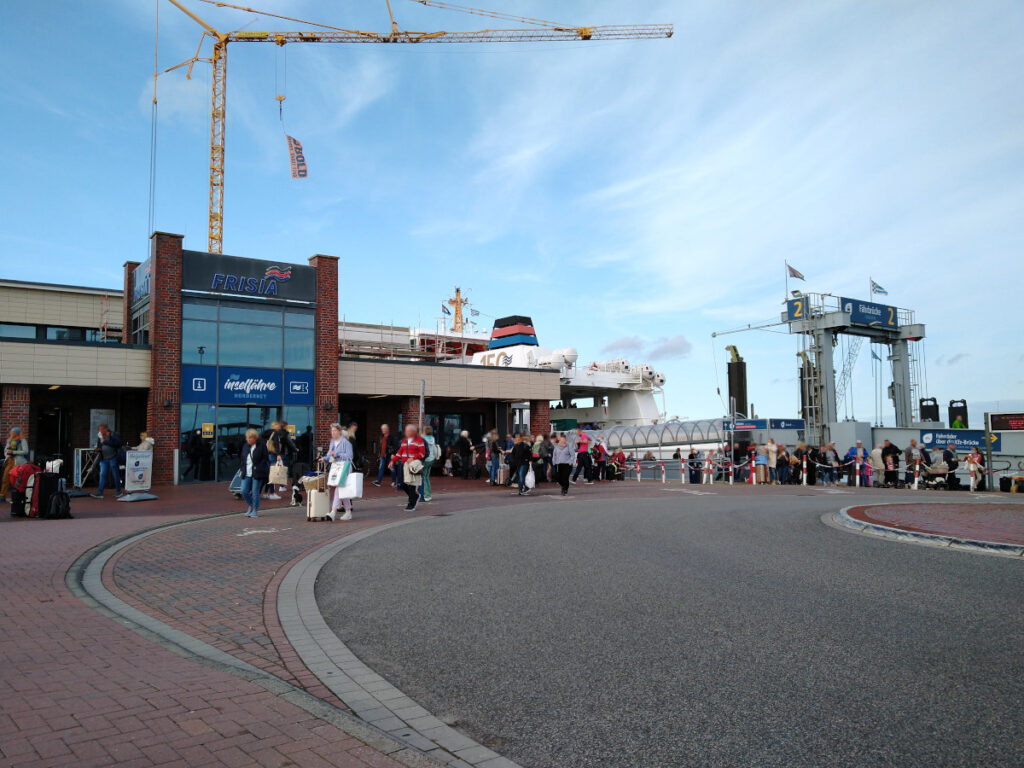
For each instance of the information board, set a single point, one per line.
(138, 471)
(1007, 422)
(869, 313)
(962, 439)
(745, 425)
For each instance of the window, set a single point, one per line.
(17, 331)
(140, 326)
(233, 313)
(299, 319)
(113, 336)
(198, 342)
(65, 334)
(249, 346)
(298, 349)
(199, 310)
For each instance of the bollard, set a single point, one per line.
(638, 471)
(803, 471)
(683, 471)
(730, 473)
(753, 473)
(917, 472)
(974, 480)
(663, 472)
(856, 480)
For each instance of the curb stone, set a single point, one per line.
(84, 580)
(844, 521)
(369, 695)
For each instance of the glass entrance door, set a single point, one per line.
(232, 423)
(212, 437)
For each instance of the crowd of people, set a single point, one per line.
(772, 463)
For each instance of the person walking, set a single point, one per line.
(428, 461)
(107, 446)
(601, 455)
(339, 450)
(547, 449)
(408, 460)
(561, 458)
(388, 445)
(255, 468)
(15, 454)
(522, 458)
(493, 455)
(772, 450)
(582, 458)
(465, 448)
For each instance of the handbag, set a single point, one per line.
(339, 472)
(278, 475)
(415, 467)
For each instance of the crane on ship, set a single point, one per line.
(534, 30)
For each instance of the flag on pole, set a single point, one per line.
(874, 356)
(474, 312)
(445, 309)
(876, 288)
(795, 273)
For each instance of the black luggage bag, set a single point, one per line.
(46, 484)
(17, 503)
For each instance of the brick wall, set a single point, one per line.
(14, 411)
(162, 422)
(326, 399)
(540, 417)
(409, 407)
(126, 302)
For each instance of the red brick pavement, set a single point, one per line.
(991, 522)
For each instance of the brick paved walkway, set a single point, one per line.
(80, 689)
(998, 523)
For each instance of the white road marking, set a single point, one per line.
(251, 531)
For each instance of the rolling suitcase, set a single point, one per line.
(17, 503)
(59, 505)
(318, 496)
(45, 485)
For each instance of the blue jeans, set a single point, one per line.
(522, 476)
(109, 467)
(493, 467)
(783, 474)
(251, 487)
(384, 466)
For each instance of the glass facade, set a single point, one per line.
(243, 341)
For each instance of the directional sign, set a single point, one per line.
(962, 439)
(787, 424)
(869, 313)
(747, 425)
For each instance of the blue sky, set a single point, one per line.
(632, 197)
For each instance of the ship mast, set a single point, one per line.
(457, 303)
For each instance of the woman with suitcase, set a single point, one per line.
(339, 450)
(255, 470)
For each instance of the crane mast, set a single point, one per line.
(545, 31)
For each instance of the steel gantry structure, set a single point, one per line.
(541, 31)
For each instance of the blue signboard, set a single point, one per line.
(869, 313)
(198, 384)
(244, 386)
(787, 423)
(963, 439)
(745, 425)
(298, 387)
(249, 385)
(796, 309)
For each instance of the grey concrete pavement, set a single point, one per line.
(690, 631)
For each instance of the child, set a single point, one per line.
(448, 462)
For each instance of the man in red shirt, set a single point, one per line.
(408, 460)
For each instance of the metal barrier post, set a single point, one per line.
(683, 470)
(732, 467)
(804, 470)
(856, 481)
(638, 470)
(663, 472)
(917, 472)
(753, 472)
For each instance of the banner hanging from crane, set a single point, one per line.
(298, 160)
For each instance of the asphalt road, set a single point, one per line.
(691, 631)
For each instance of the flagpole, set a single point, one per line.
(786, 264)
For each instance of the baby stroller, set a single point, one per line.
(934, 476)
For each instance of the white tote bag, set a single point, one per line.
(353, 487)
(531, 478)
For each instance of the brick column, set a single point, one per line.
(326, 340)
(126, 308)
(540, 417)
(162, 421)
(410, 410)
(14, 411)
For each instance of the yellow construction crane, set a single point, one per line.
(542, 31)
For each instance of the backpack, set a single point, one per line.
(59, 507)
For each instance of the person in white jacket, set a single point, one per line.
(340, 449)
(146, 442)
